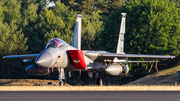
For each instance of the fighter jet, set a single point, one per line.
(61, 56)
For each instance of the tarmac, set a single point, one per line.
(89, 95)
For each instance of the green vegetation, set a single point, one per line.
(152, 28)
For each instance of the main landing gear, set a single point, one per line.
(98, 79)
(61, 77)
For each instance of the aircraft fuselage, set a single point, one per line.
(54, 57)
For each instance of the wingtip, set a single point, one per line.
(79, 15)
(123, 14)
(172, 57)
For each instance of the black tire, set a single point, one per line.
(99, 81)
(62, 83)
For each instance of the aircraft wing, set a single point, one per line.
(100, 57)
(136, 55)
(28, 56)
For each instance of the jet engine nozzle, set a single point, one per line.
(44, 60)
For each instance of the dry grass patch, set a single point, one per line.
(25, 82)
(164, 77)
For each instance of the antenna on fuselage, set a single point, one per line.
(76, 41)
(120, 45)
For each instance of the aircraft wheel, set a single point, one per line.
(99, 81)
(62, 83)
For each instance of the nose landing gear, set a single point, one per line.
(61, 77)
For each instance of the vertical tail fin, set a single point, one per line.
(120, 46)
(76, 41)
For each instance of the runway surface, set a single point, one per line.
(89, 95)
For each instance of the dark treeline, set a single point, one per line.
(152, 27)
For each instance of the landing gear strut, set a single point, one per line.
(98, 79)
(61, 77)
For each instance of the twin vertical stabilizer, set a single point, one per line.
(120, 46)
(76, 41)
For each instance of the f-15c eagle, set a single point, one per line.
(59, 55)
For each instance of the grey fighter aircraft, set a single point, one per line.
(59, 55)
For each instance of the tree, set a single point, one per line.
(70, 3)
(152, 27)
(11, 11)
(92, 25)
(177, 3)
(28, 12)
(57, 21)
(1, 11)
(109, 6)
(86, 6)
(12, 41)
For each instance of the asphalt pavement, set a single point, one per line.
(89, 95)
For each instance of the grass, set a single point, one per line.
(25, 82)
(164, 77)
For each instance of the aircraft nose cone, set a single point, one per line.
(44, 60)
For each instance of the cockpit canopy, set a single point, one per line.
(55, 43)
